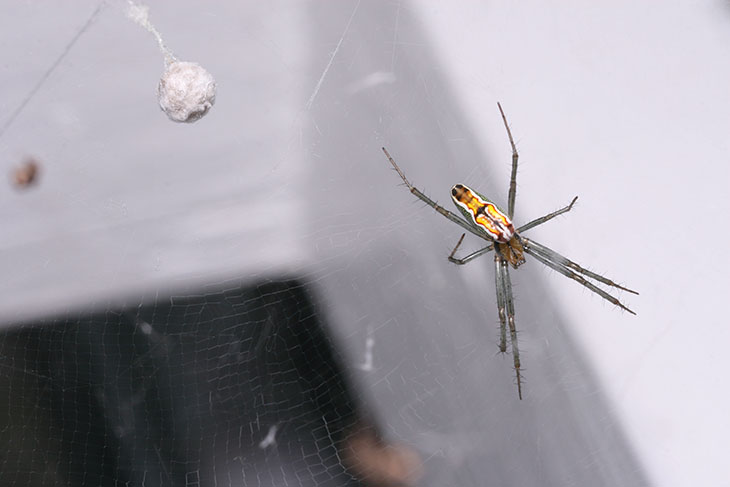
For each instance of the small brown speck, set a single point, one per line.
(26, 174)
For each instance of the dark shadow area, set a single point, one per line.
(235, 387)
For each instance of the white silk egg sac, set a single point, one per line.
(186, 91)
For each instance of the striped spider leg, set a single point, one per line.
(484, 219)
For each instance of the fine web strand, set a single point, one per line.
(140, 14)
(31, 94)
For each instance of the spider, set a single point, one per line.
(484, 219)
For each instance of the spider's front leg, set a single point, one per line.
(564, 261)
(501, 308)
(506, 307)
(565, 267)
(548, 217)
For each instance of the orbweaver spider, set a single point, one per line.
(485, 220)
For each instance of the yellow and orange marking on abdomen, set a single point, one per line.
(484, 213)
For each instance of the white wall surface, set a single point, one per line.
(627, 105)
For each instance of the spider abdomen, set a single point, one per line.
(483, 213)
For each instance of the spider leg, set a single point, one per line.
(501, 307)
(469, 257)
(454, 218)
(556, 262)
(564, 261)
(507, 311)
(513, 177)
(549, 216)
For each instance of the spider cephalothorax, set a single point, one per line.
(512, 251)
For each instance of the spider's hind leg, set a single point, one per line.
(513, 177)
(422, 196)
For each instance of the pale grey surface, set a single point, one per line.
(626, 105)
(285, 174)
(128, 200)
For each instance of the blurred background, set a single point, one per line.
(255, 299)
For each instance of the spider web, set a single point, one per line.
(253, 300)
(242, 381)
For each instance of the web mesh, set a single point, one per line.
(229, 386)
